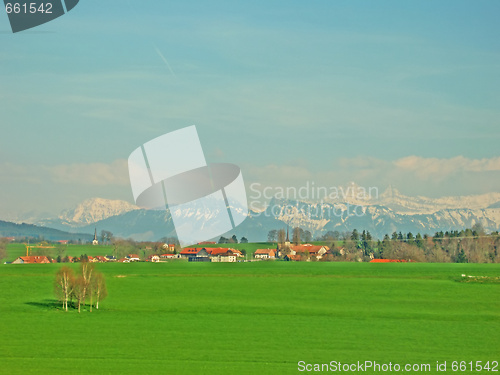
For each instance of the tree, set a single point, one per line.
(78, 291)
(272, 236)
(3, 249)
(106, 236)
(355, 235)
(243, 240)
(84, 282)
(296, 235)
(461, 258)
(123, 247)
(99, 288)
(331, 236)
(419, 241)
(234, 239)
(281, 236)
(64, 284)
(307, 236)
(478, 229)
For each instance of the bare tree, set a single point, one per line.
(281, 236)
(99, 288)
(79, 290)
(83, 282)
(3, 248)
(64, 284)
(296, 236)
(272, 236)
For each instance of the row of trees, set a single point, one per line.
(298, 235)
(232, 239)
(3, 248)
(469, 245)
(88, 285)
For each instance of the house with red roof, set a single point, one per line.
(169, 247)
(265, 254)
(193, 251)
(133, 258)
(221, 250)
(195, 254)
(387, 261)
(313, 250)
(32, 259)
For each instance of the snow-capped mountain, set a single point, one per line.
(96, 209)
(385, 213)
(398, 202)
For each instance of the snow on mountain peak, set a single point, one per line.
(95, 209)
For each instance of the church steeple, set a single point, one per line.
(287, 237)
(95, 242)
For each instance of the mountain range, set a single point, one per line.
(390, 211)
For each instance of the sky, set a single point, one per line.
(376, 92)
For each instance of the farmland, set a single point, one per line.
(248, 318)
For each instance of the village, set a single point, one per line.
(194, 254)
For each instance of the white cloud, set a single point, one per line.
(115, 173)
(412, 175)
(90, 174)
(434, 168)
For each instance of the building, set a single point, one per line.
(153, 258)
(388, 261)
(168, 256)
(169, 247)
(33, 259)
(219, 250)
(287, 240)
(220, 255)
(192, 251)
(133, 258)
(94, 241)
(195, 254)
(313, 250)
(265, 254)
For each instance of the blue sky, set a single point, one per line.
(377, 92)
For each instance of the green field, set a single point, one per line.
(16, 250)
(250, 318)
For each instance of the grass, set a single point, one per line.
(249, 318)
(15, 250)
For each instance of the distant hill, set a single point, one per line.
(8, 229)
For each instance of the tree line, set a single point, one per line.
(75, 290)
(472, 245)
(3, 248)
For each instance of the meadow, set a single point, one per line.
(15, 250)
(250, 318)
